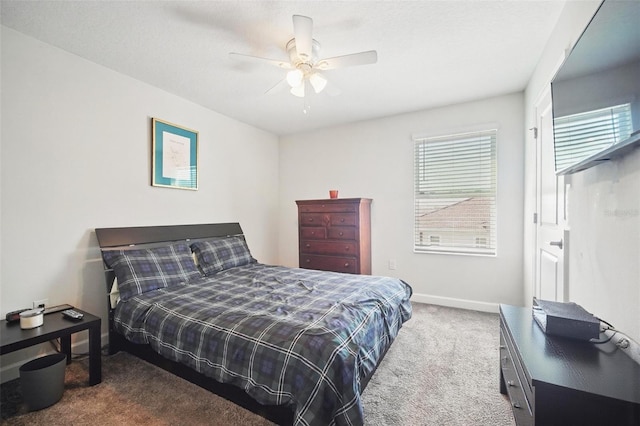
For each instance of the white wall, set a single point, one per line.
(604, 218)
(603, 207)
(76, 143)
(374, 159)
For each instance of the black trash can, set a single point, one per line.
(42, 381)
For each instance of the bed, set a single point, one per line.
(296, 346)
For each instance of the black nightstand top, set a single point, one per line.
(12, 337)
(572, 364)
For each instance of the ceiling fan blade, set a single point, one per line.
(276, 62)
(362, 58)
(302, 31)
(279, 87)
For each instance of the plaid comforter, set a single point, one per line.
(297, 337)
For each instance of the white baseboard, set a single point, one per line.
(456, 303)
(18, 358)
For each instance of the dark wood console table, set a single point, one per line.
(57, 327)
(554, 380)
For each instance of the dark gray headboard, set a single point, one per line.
(118, 237)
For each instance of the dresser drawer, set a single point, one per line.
(341, 233)
(331, 207)
(313, 233)
(343, 219)
(314, 219)
(515, 385)
(328, 219)
(329, 263)
(328, 247)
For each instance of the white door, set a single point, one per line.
(552, 235)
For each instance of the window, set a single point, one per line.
(455, 193)
(579, 136)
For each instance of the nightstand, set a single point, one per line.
(553, 380)
(56, 326)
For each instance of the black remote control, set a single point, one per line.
(72, 315)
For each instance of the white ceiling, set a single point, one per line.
(430, 53)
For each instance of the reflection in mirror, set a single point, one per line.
(579, 136)
(596, 92)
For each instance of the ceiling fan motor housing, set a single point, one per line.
(298, 60)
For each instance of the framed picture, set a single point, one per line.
(174, 156)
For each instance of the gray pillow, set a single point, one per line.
(142, 270)
(217, 254)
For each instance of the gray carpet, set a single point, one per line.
(441, 370)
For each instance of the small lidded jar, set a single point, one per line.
(32, 318)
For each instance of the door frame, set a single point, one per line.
(562, 183)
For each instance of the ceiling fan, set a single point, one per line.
(304, 64)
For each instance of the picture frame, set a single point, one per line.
(174, 156)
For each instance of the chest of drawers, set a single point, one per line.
(335, 235)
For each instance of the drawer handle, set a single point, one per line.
(308, 261)
(346, 248)
(510, 383)
(341, 233)
(342, 220)
(310, 219)
(307, 245)
(346, 265)
(516, 405)
(313, 232)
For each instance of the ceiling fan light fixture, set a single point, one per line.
(298, 91)
(318, 82)
(294, 78)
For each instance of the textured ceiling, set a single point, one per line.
(430, 53)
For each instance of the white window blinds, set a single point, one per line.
(455, 193)
(579, 136)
